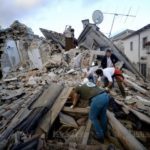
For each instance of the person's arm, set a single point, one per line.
(98, 82)
(109, 84)
(74, 98)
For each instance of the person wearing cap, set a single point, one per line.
(109, 59)
(99, 101)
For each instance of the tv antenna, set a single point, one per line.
(97, 17)
(115, 15)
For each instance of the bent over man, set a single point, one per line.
(108, 75)
(99, 101)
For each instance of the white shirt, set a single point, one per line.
(109, 62)
(108, 73)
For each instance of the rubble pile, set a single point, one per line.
(35, 99)
(22, 48)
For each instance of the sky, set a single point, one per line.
(56, 14)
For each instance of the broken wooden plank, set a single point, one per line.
(141, 116)
(76, 110)
(87, 133)
(48, 120)
(143, 100)
(59, 146)
(126, 138)
(48, 97)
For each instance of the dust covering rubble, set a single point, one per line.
(38, 78)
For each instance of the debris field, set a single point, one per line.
(35, 94)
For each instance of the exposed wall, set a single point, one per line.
(22, 48)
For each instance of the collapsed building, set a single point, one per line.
(36, 88)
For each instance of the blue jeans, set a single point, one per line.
(98, 109)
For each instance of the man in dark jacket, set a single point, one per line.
(109, 59)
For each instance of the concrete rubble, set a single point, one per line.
(38, 76)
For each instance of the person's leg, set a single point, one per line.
(121, 87)
(93, 115)
(104, 116)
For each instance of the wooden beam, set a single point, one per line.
(95, 52)
(49, 96)
(59, 146)
(87, 133)
(141, 116)
(137, 87)
(126, 138)
(76, 110)
(52, 114)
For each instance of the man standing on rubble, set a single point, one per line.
(99, 101)
(109, 59)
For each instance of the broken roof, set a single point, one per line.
(55, 36)
(138, 31)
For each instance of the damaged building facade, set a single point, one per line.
(135, 46)
(36, 92)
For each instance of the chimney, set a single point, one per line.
(85, 23)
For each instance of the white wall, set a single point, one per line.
(134, 54)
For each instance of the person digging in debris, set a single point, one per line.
(90, 74)
(99, 101)
(109, 59)
(108, 75)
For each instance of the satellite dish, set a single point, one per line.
(97, 17)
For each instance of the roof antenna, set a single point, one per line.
(127, 14)
(114, 16)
